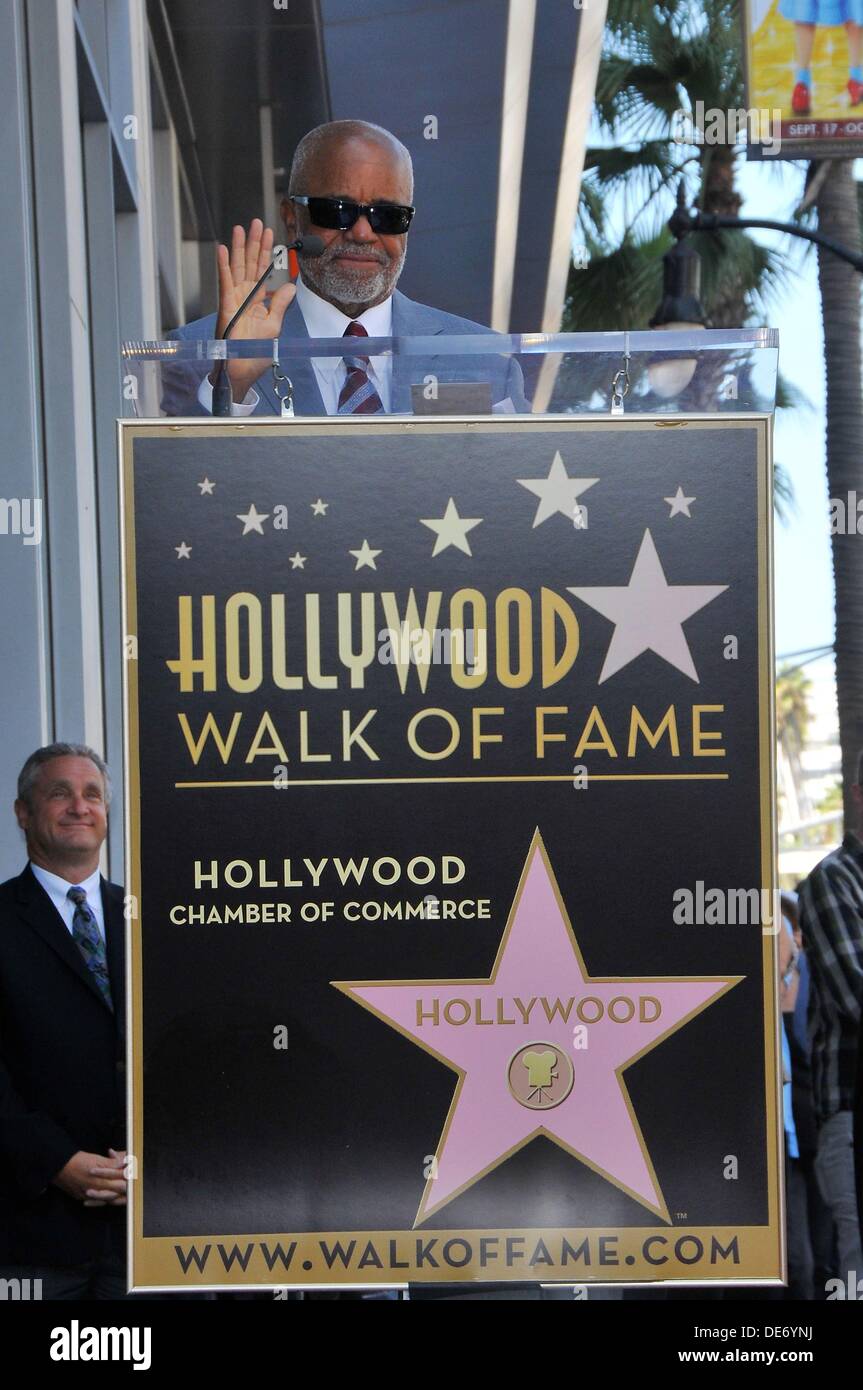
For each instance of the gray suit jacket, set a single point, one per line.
(181, 380)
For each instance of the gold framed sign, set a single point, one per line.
(450, 838)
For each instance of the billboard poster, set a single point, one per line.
(450, 846)
(804, 61)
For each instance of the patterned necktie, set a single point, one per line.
(85, 930)
(358, 396)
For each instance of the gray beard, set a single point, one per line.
(340, 286)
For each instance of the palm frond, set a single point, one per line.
(620, 289)
(734, 265)
(591, 212)
(615, 162)
(790, 397)
(784, 501)
(661, 57)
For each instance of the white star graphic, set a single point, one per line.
(298, 561)
(365, 556)
(679, 503)
(557, 493)
(206, 487)
(253, 520)
(648, 613)
(319, 508)
(451, 529)
(183, 551)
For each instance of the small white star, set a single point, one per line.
(365, 556)
(253, 520)
(679, 503)
(558, 492)
(183, 551)
(298, 561)
(451, 529)
(319, 508)
(206, 487)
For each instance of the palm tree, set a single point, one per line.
(658, 58)
(792, 721)
(839, 216)
(793, 689)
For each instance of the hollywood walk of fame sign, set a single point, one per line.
(449, 834)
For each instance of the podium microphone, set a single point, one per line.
(222, 396)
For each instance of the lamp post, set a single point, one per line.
(681, 306)
(682, 221)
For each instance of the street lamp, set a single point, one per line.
(680, 308)
(681, 283)
(683, 221)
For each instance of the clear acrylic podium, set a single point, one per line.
(667, 372)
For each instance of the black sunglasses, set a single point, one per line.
(339, 214)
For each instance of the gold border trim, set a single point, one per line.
(150, 1258)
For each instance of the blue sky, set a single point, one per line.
(803, 574)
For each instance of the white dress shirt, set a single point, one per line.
(58, 888)
(324, 320)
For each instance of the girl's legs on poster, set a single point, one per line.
(855, 59)
(804, 41)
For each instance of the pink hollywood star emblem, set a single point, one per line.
(511, 1039)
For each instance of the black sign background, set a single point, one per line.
(331, 1135)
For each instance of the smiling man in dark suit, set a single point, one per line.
(351, 187)
(62, 1045)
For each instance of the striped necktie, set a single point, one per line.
(358, 396)
(85, 931)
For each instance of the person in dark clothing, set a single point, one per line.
(62, 1038)
(831, 917)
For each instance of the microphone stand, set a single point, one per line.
(223, 397)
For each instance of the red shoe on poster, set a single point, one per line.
(800, 99)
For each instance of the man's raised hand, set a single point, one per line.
(238, 272)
